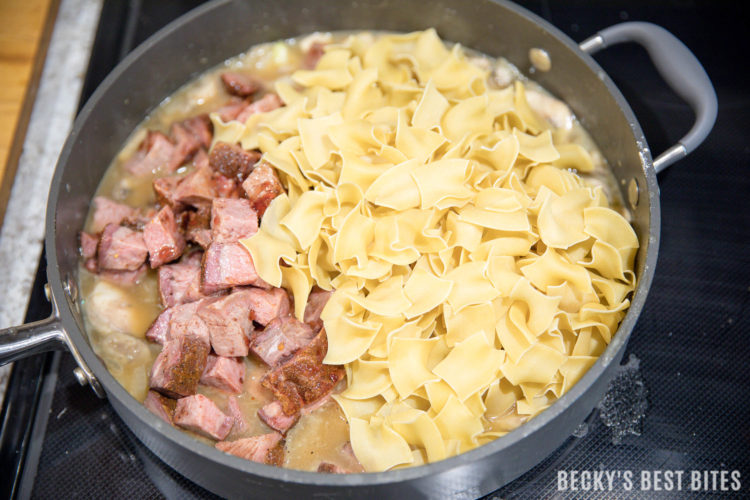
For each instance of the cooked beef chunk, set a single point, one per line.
(156, 152)
(89, 242)
(226, 265)
(316, 302)
(266, 448)
(262, 186)
(186, 145)
(196, 188)
(185, 320)
(164, 241)
(232, 161)
(107, 212)
(232, 108)
(91, 265)
(164, 187)
(224, 373)
(179, 366)
(233, 407)
(267, 103)
(240, 84)
(160, 405)
(121, 249)
(280, 339)
(199, 414)
(273, 416)
(329, 468)
(304, 379)
(313, 55)
(230, 323)
(124, 278)
(226, 187)
(180, 282)
(198, 228)
(200, 128)
(159, 330)
(232, 220)
(268, 305)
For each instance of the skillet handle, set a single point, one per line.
(680, 69)
(19, 342)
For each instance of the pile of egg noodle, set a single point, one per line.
(476, 276)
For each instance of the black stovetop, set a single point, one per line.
(58, 440)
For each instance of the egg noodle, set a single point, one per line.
(476, 274)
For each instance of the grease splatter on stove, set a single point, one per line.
(624, 406)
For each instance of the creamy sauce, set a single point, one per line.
(117, 317)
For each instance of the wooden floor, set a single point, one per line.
(25, 30)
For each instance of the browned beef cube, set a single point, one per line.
(224, 373)
(226, 187)
(180, 282)
(89, 242)
(226, 265)
(160, 405)
(124, 278)
(232, 161)
(200, 128)
(316, 302)
(233, 408)
(155, 153)
(268, 305)
(261, 187)
(232, 108)
(196, 188)
(121, 249)
(280, 339)
(185, 320)
(273, 416)
(179, 366)
(199, 414)
(313, 55)
(198, 229)
(230, 323)
(304, 379)
(240, 84)
(164, 241)
(232, 220)
(164, 187)
(159, 330)
(107, 212)
(329, 468)
(266, 448)
(267, 103)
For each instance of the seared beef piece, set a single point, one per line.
(200, 128)
(226, 265)
(232, 108)
(159, 330)
(313, 55)
(329, 468)
(267, 103)
(262, 186)
(304, 379)
(200, 414)
(240, 84)
(186, 145)
(198, 228)
(280, 339)
(224, 373)
(266, 448)
(164, 187)
(89, 242)
(233, 408)
(164, 241)
(156, 152)
(160, 405)
(316, 302)
(196, 188)
(124, 278)
(185, 320)
(179, 366)
(107, 212)
(200, 160)
(180, 282)
(230, 324)
(121, 249)
(273, 416)
(232, 161)
(226, 187)
(268, 305)
(232, 220)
